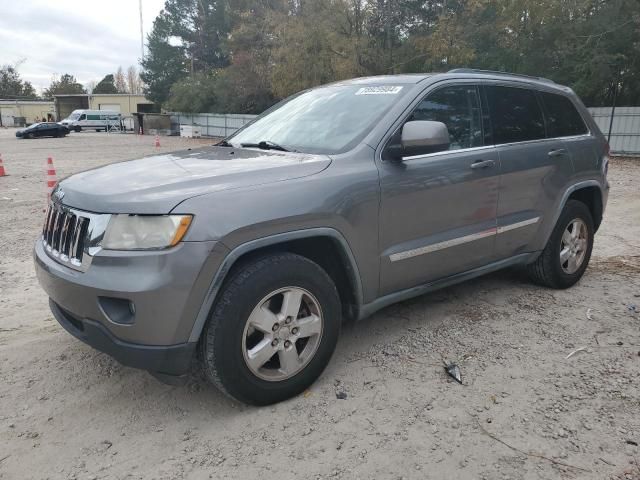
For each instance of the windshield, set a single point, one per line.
(325, 120)
(73, 117)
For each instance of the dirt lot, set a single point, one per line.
(524, 411)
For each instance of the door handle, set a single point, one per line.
(558, 152)
(483, 164)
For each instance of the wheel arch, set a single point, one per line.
(325, 246)
(590, 193)
(591, 196)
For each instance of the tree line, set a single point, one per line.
(244, 55)
(12, 86)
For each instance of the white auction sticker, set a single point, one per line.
(382, 90)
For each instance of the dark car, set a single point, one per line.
(44, 129)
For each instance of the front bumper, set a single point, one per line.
(173, 360)
(139, 307)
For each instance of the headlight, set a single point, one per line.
(143, 232)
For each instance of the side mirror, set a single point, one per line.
(420, 137)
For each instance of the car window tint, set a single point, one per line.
(515, 114)
(562, 118)
(458, 107)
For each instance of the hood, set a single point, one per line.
(156, 184)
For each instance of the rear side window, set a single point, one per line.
(458, 107)
(563, 120)
(516, 115)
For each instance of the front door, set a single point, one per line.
(438, 210)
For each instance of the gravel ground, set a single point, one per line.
(525, 411)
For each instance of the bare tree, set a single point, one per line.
(90, 85)
(120, 81)
(134, 83)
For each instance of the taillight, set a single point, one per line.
(605, 159)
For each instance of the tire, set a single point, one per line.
(230, 335)
(549, 269)
(77, 129)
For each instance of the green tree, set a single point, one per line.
(195, 93)
(202, 27)
(254, 52)
(594, 47)
(187, 36)
(164, 64)
(12, 86)
(106, 85)
(65, 84)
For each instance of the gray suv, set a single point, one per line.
(247, 256)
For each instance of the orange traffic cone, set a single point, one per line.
(51, 178)
(157, 141)
(2, 172)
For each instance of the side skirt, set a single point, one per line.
(370, 308)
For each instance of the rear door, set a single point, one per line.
(438, 210)
(534, 168)
(563, 121)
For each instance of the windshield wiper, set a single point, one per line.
(267, 145)
(223, 143)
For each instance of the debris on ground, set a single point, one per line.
(453, 370)
(577, 350)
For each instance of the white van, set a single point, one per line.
(92, 120)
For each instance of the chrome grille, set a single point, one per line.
(71, 236)
(64, 234)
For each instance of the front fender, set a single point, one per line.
(253, 245)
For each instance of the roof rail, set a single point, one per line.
(496, 72)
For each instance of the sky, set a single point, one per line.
(86, 38)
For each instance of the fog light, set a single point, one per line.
(118, 310)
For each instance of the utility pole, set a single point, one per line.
(141, 32)
(613, 108)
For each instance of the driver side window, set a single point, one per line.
(83, 117)
(458, 107)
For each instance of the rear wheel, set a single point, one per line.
(566, 256)
(273, 329)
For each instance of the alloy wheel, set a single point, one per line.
(282, 334)
(573, 246)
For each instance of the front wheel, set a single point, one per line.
(566, 255)
(272, 330)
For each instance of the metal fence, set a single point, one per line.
(625, 130)
(212, 124)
